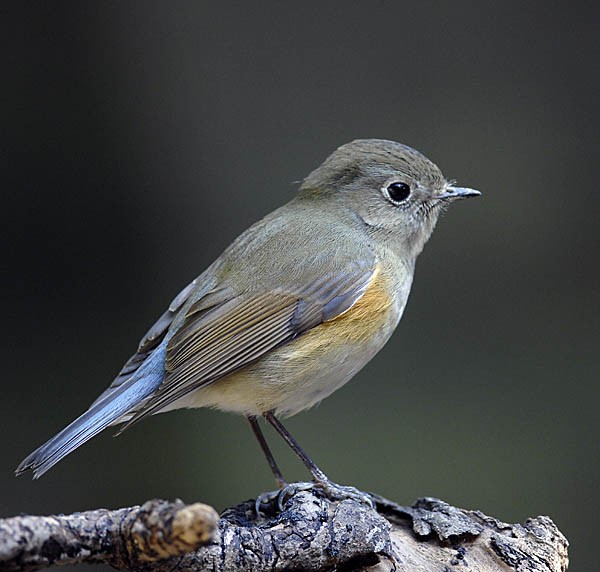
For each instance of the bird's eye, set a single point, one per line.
(397, 192)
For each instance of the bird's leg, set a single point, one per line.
(318, 474)
(281, 482)
(331, 489)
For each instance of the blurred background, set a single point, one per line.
(140, 138)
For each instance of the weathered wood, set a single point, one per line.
(310, 533)
(126, 538)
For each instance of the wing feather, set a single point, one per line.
(227, 332)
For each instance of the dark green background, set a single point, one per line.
(140, 139)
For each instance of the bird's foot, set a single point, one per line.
(333, 491)
(277, 499)
(265, 499)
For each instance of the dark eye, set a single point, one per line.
(397, 192)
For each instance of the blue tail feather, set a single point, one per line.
(142, 384)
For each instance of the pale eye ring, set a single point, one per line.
(397, 192)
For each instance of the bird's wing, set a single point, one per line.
(223, 332)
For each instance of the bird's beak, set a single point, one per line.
(458, 193)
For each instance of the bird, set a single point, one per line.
(290, 311)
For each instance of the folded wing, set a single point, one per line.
(223, 332)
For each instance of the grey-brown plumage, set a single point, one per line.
(295, 307)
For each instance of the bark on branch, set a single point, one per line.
(310, 533)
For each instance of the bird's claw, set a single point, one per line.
(281, 495)
(333, 491)
(327, 488)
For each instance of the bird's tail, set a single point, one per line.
(102, 414)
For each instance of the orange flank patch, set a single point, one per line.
(360, 322)
(368, 314)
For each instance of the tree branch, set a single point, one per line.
(310, 533)
(127, 538)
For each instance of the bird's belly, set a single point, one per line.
(304, 371)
